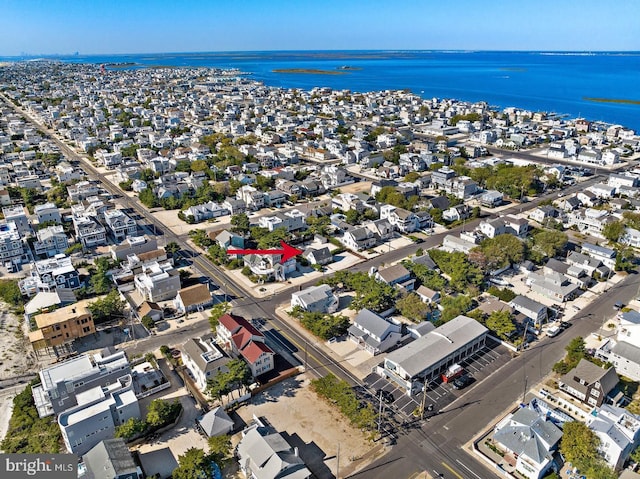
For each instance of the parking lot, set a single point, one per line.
(439, 394)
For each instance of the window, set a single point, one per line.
(595, 393)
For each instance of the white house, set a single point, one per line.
(319, 299)
(373, 333)
(204, 359)
(530, 437)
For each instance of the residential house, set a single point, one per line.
(602, 190)
(321, 256)
(316, 299)
(204, 359)
(269, 266)
(241, 338)
(62, 326)
(382, 229)
(396, 275)
(606, 255)
(532, 309)
(99, 411)
(88, 231)
(589, 383)
(252, 198)
(457, 213)
(586, 263)
(427, 295)
(51, 273)
(555, 286)
(590, 221)
(263, 453)
(403, 220)
(543, 213)
(47, 213)
(18, 216)
(491, 198)
(373, 333)
(291, 220)
(110, 459)
(193, 298)
(358, 239)
(216, 423)
(531, 438)
(157, 282)
(205, 211)
(150, 310)
(133, 245)
(51, 241)
(623, 351)
(618, 432)
(346, 202)
(234, 206)
(227, 240)
(274, 199)
(119, 224)
(61, 382)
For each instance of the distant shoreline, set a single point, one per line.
(612, 100)
(310, 71)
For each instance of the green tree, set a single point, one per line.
(161, 412)
(614, 231)
(220, 449)
(411, 176)
(352, 217)
(240, 223)
(273, 238)
(412, 307)
(501, 323)
(502, 250)
(172, 248)
(505, 294)
(148, 198)
(107, 307)
(147, 322)
(193, 464)
(579, 444)
(549, 243)
(132, 427)
(217, 311)
(454, 306)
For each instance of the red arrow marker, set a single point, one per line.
(287, 251)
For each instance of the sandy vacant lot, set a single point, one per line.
(17, 360)
(312, 425)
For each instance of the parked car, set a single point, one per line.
(553, 331)
(618, 305)
(385, 395)
(462, 382)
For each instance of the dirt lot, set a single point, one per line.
(17, 360)
(312, 425)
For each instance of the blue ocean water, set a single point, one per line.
(547, 81)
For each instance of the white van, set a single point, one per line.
(553, 331)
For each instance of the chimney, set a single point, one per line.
(295, 451)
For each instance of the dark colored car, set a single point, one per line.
(385, 395)
(618, 305)
(462, 382)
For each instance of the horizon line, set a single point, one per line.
(384, 50)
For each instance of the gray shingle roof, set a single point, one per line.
(370, 321)
(216, 422)
(109, 458)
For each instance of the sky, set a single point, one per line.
(39, 27)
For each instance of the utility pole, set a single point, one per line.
(380, 412)
(338, 463)
(524, 391)
(424, 400)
